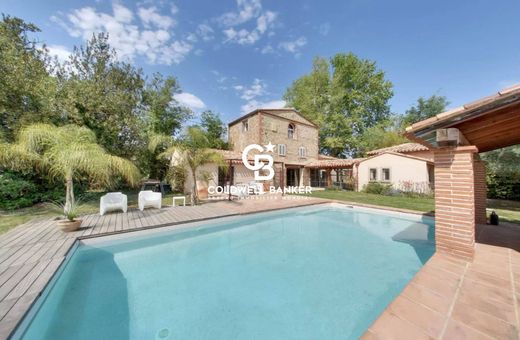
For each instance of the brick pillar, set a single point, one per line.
(455, 200)
(480, 190)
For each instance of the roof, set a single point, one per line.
(402, 148)
(488, 123)
(400, 155)
(274, 112)
(320, 156)
(336, 163)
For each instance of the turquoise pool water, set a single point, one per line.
(308, 273)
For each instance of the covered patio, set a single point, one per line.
(457, 137)
(333, 172)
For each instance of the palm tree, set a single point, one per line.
(191, 151)
(65, 153)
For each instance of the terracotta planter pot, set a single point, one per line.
(68, 226)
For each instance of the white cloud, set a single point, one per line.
(325, 29)
(258, 88)
(247, 10)
(150, 17)
(254, 104)
(189, 100)
(59, 51)
(205, 32)
(152, 39)
(267, 49)
(293, 46)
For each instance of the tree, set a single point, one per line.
(164, 114)
(425, 108)
(344, 102)
(379, 136)
(26, 89)
(310, 94)
(192, 151)
(66, 153)
(215, 129)
(104, 94)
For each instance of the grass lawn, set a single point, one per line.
(508, 211)
(418, 204)
(9, 220)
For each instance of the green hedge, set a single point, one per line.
(503, 186)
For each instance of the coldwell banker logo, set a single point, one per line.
(259, 161)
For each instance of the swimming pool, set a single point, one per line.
(305, 273)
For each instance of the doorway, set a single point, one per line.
(293, 177)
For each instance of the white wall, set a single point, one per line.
(401, 169)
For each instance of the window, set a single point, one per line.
(302, 152)
(282, 149)
(373, 174)
(290, 131)
(245, 126)
(385, 174)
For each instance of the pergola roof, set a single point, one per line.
(337, 163)
(402, 148)
(489, 123)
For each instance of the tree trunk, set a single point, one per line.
(195, 192)
(69, 193)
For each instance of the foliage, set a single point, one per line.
(69, 212)
(503, 173)
(19, 190)
(378, 188)
(165, 115)
(215, 129)
(100, 92)
(66, 153)
(379, 136)
(425, 108)
(344, 102)
(26, 89)
(191, 152)
(16, 192)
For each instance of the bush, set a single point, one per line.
(503, 186)
(16, 192)
(378, 188)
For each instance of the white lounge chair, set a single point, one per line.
(257, 187)
(148, 198)
(113, 201)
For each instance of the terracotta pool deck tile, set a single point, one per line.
(494, 293)
(427, 298)
(488, 279)
(488, 305)
(483, 322)
(458, 331)
(426, 319)
(389, 326)
(438, 285)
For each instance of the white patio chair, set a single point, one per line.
(113, 201)
(258, 188)
(148, 198)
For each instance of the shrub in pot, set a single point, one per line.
(70, 214)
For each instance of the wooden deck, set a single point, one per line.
(31, 253)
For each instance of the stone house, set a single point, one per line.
(297, 161)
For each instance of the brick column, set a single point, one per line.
(480, 190)
(455, 200)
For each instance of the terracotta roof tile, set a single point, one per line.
(333, 163)
(401, 148)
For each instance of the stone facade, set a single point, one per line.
(264, 126)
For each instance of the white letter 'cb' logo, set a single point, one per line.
(259, 163)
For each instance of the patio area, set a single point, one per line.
(454, 299)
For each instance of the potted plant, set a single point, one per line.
(70, 212)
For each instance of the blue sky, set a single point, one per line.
(232, 56)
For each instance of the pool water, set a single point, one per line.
(308, 273)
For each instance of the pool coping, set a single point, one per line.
(315, 202)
